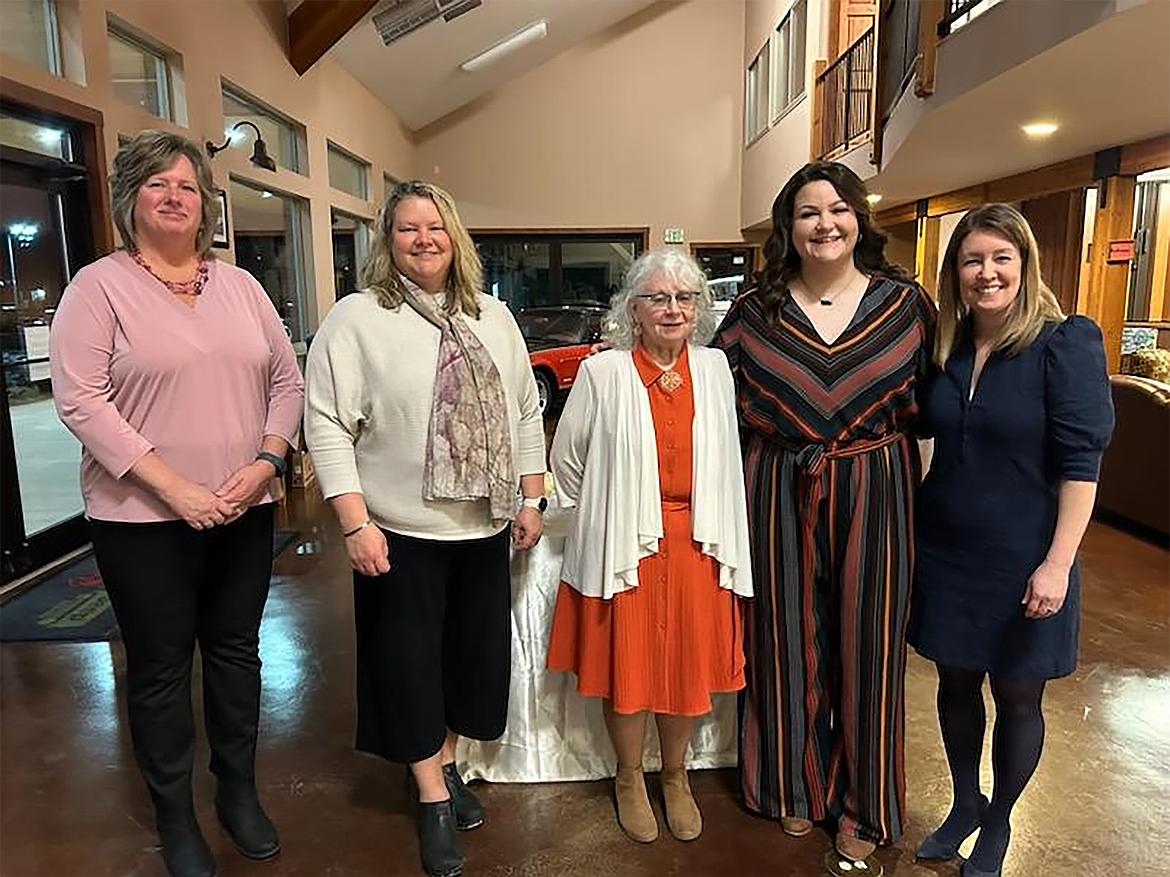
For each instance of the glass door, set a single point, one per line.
(44, 238)
(1150, 205)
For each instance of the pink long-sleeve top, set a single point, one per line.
(135, 369)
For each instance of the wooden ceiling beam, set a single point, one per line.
(316, 25)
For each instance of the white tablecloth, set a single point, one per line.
(553, 733)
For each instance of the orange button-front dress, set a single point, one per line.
(668, 644)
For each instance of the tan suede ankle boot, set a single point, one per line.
(682, 813)
(635, 815)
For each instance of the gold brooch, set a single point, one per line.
(670, 380)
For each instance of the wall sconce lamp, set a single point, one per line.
(260, 156)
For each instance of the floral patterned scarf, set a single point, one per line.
(469, 448)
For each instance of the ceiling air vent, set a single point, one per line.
(406, 16)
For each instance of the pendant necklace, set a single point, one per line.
(828, 300)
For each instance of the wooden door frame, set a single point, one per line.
(64, 538)
(90, 126)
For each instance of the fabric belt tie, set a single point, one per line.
(811, 460)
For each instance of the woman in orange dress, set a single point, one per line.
(647, 453)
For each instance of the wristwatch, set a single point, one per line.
(539, 503)
(276, 461)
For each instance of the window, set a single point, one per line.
(347, 174)
(729, 269)
(961, 12)
(284, 137)
(526, 270)
(28, 31)
(389, 182)
(269, 233)
(141, 74)
(755, 99)
(41, 138)
(788, 59)
(351, 248)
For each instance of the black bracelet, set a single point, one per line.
(277, 462)
(358, 528)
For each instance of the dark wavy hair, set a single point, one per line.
(782, 262)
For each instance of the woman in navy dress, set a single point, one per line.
(1020, 410)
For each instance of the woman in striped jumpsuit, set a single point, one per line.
(826, 352)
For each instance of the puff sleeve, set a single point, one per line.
(1078, 400)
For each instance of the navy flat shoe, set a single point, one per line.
(933, 849)
(969, 870)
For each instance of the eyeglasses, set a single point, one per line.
(660, 301)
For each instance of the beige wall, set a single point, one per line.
(243, 41)
(639, 126)
(784, 148)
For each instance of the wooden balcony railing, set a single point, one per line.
(844, 96)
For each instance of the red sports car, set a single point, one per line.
(558, 338)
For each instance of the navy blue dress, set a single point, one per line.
(986, 512)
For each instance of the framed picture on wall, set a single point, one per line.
(222, 238)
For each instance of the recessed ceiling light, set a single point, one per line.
(874, 198)
(1040, 129)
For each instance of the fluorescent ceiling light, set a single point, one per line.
(874, 198)
(538, 30)
(1040, 129)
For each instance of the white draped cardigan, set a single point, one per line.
(605, 460)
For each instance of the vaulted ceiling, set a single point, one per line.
(418, 77)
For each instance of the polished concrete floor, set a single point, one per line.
(71, 802)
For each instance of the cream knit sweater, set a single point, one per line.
(368, 391)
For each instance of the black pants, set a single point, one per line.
(433, 645)
(170, 586)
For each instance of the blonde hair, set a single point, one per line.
(1034, 306)
(146, 154)
(465, 277)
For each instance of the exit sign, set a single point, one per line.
(674, 236)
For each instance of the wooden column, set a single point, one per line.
(930, 13)
(1058, 222)
(926, 254)
(1108, 285)
(816, 129)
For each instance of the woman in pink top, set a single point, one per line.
(175, 373)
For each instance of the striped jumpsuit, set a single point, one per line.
(831, 469)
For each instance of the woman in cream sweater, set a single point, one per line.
(423, 421)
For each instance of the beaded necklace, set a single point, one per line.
(194, 286)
